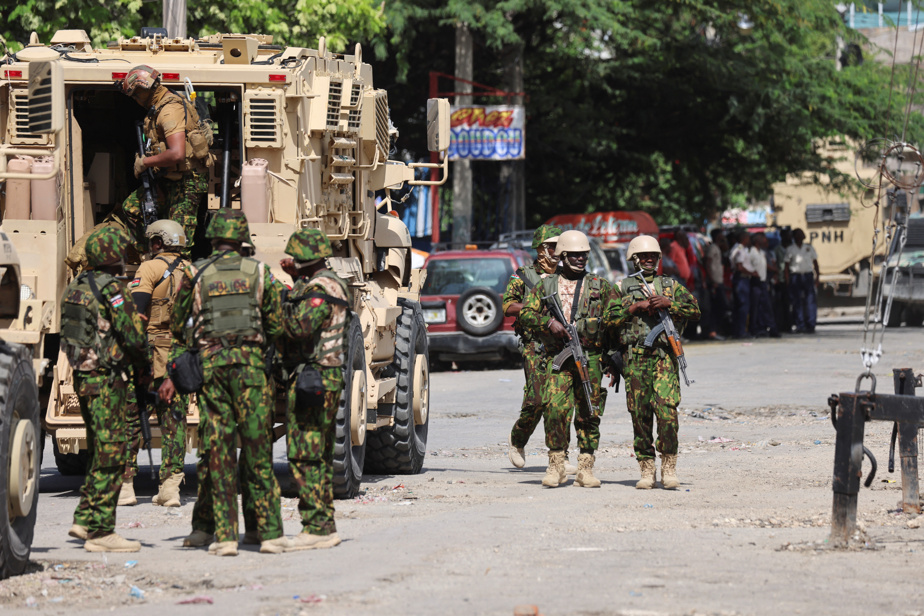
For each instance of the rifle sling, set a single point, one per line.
(170, 268)
(577, 298)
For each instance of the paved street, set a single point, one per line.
(745, 534)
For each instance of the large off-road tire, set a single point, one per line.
(401, 448)
(896, 314)
(70, 464)
(350, 443)
(19, 457)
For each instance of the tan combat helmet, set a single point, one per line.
(169, 231)
(643, 243)
(572, 241)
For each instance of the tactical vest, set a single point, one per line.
(633, 334)
(80, 331)
(229, 288)
(162, 308)
(199, 136)
(589, 305)
(315, 352)
(530, 278)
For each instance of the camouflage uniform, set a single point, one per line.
(101, 339)
(652, 383)
(235, 311)
(315, 324)
(599, 308)
(179, 190)
(534, 362)
(149, 281)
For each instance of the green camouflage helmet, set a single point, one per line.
(308, 245)
(106, 246)
(543, 233)
(229, 224)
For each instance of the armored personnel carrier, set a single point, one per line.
(301, 139)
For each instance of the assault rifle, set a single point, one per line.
(141, 396)
(148, 204)
(666, 326)
(572, 349)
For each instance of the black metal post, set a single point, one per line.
(908, 445)
(848, 460)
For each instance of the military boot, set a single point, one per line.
(168, 495)
(307, 541)
(516, 454)
(570, 469)
(669, 472)
(648, 474)
(555, 474)
(223, 548)
(78, 531)
(585, 474)
(127, 494)
(198, 539)
(111, 543)
(274, 546)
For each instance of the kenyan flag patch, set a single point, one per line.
(117, 301)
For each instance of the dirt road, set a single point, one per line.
(745, 534)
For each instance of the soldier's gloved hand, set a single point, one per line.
(140, 167)
(166, 391)
(558, 330)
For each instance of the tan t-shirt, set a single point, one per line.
(163, 295)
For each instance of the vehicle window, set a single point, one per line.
(615, 260)
(454, 276)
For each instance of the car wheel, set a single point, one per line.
(479, 311)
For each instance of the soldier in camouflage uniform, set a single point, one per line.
(593, 306)
(154, 291)
(102, 336)
(234, 306)
(315, 316)
(178, 152)
(652, 383)
(522, 282)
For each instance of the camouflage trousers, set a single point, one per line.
(310, 447)
(652, 392)
(172, 421)
(534, 367)
(563, 397)
(176, 199)
(102, 406)
(235, 402)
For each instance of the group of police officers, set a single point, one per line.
(612, 324)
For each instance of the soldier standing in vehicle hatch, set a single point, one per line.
(102, 336)
(593, 306)
(177, 151)
(652, 381)
(522, 282)
(234, 307)
(316, 315)
(154, 291)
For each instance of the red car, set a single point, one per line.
(461, 302)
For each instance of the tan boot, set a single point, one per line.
(251, 537)
(555, 474)
(111, 543)
(570, 469)
(168, 495)
(127, 494)
(307, 541)
(648, 474)
(223, 548)
(198, 539)
(669, 472)
(585, 474)
(516, 454)
(78, 532)
(274, 546)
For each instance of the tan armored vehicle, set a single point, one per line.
(20, 428)
(302, 139)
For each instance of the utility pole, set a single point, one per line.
(513, 172)
(462, 169)
(175, 18)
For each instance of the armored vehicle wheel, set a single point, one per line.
(896, 314)
(70, 464)
(350, 443)
(401, 448)
(479, 311)
(19, 457)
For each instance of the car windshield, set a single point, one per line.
(455, 276)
